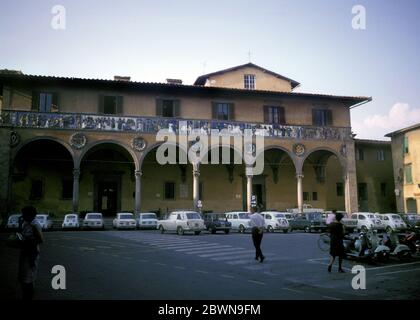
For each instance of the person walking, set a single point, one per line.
(336, 230)
(29, 252)
(257, 223)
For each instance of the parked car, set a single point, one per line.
(239, 220)
(275, 221)
(308, 222)
(146, 220)
(393, 222)
(367, 220)
(93, 220)
(71, 221)
(13, 221)
(349, 223)
(412, 221)
(45, 221)
(181, 222)
(124, 220)
(217, 222)
(307, 208)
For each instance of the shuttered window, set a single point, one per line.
(274, 115)
(44, 101)
(222, 111)
(167, 108)
(110, 104)
(322, 117)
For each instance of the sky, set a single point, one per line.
(310, 41)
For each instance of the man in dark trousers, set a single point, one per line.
(257, 224)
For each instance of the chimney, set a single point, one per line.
(122, 78)
(173, 81)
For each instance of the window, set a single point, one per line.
(168, 108)
(383, 189)
(408, 173)
(249, 81)
(67, 189)
(405, 147)
(360, 155)
(274, 115)
(36, 190)
(169, 191)
(44, 101)
(362, 191)
(380, 155)
(340, 189)
(110, 104)
(322, 117)
(315, 196)
(222, 110)
(306, 196)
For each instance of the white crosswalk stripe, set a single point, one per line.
(214, 251)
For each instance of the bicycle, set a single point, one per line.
(324, 242)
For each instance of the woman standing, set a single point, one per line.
(336, 229)
(29, 253)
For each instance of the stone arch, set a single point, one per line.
(154, 146)
(340, 158)
(92, 145)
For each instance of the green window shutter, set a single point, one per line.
(119, 106)
(214, 110)
(35, 101)
(408, 174)
(329, 118)
(282, 116)
(176, 108)
(266, 114)
(159, 107)
(231, 111)
(101, 105)
(405, 149)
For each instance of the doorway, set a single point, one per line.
(107, 199)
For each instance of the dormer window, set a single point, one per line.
(249, 81)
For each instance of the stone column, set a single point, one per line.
(76, 175)
(299, 178)
(350, 192)
(196, 186)
(137, 200)
(249, 177)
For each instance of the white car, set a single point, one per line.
(13, 221)
(367, 220)
(124, 220)
(146, 220)
(275, 221)
(181, 222)
(45, 221)
(239, 220)
(71, 221)
(93, 220)
(393, 222)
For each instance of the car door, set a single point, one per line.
(235, 221)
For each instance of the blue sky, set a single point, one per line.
(312, 42)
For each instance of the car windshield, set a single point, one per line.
(413, 217)
(314, 216)
(279, 215)
(149, 216)
(193, 215)
(71, 218)
(13, 219)
(242, 216)
(125, 216)
(94, 216)
(371, 216)
(288, 216)
(40, 218)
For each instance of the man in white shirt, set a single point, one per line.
(257, 223)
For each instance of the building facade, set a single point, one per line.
(406, 160)
(70, 144)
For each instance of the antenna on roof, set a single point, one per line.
(249, 55)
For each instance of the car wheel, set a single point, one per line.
(227, 231)
(198, 232)
(388, 229)
(364, 229)
(307, 229)
(213, 231)
(241, 229)
(180, 231)
(162, 229)
(270, 229)
(285, 230)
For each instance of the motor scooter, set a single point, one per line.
(399, 250)
(366, 246)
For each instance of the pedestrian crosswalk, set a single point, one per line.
(215, 251)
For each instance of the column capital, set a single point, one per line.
(76, 172)
(196, 172)
(138, 173)
(299, 176)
